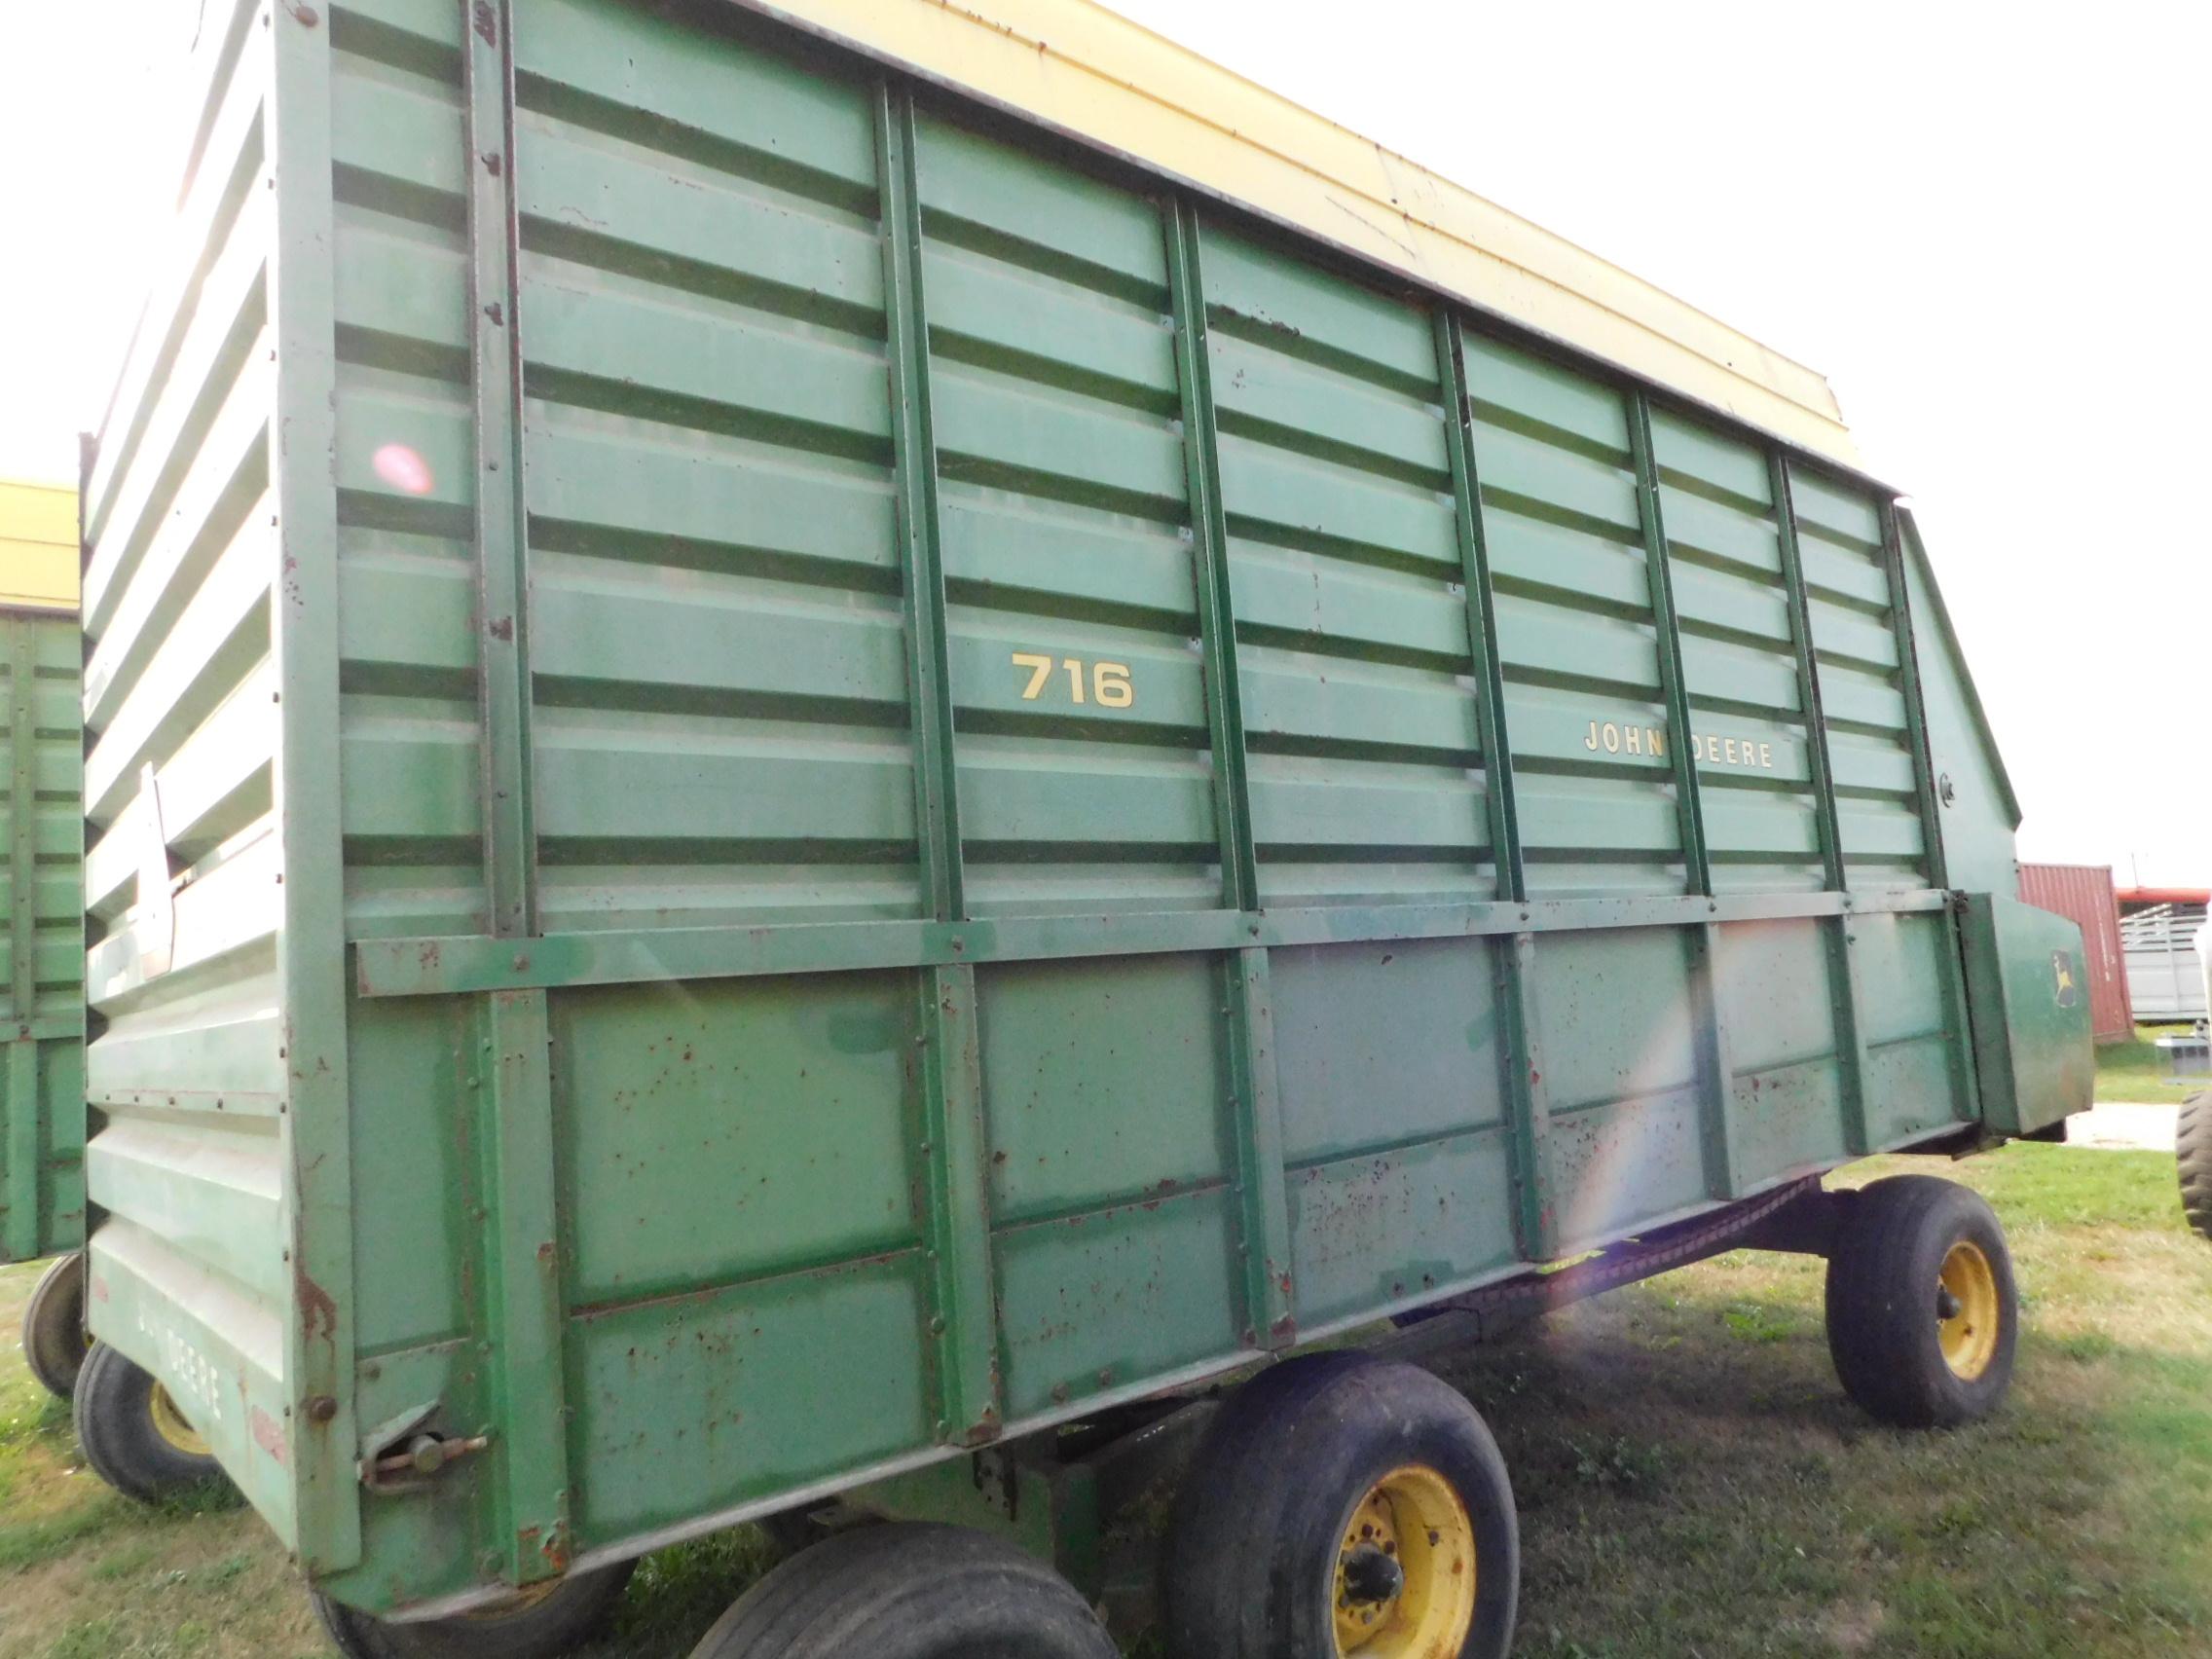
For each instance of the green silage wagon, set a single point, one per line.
(42, 1078)
(836, 746)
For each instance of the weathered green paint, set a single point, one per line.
(742, 1032)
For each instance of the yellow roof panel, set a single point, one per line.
(38, 547)
(1094, 75)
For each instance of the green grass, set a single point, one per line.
(2131, 1072)
(1690, 1480)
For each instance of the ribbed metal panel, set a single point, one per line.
(2085, 894)
(182, 867)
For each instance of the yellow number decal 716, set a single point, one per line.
(1110, 684)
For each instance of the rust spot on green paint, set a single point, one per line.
(316, 1308)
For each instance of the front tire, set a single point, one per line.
(908, 1590)
(1923, 1313)
(1340, 1506)
(133, 1434)
(54, 1344)
(2194, 1149)
(542, 1622)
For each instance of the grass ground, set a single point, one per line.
(1690, 1481)
(2130, 1071)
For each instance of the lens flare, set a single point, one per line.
(403, 469)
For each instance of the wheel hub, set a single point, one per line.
(1405, 1573)
(1967, 1316)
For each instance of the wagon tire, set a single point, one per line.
(54, 1326)
(2193, 1147)
(909, 1590)
(1922, 1311)
(541, 1623)
(1338, 1501)
(132, 1433)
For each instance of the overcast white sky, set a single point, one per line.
(1988, 226)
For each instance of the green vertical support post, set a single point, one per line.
(522, 1253)
(522, 1291)
(936, 794)
(1527, 1099)
(1965, 1084)
(1255, 1109)
(1688, 808)
(956, 1202)
(1263, 1193)
(310, 947)
(1209, 532)
(956, 1205)
(25, 1110)
(503, 550)
(1844, 995)
(1714, 1059)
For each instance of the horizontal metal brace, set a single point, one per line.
(464, 963)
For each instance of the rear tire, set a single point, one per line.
(54, 1344)
(1923, 1313)
(909, 1590)
(1340, 1504)
(541, 1623)
(132, 1433)
(2194, 1149)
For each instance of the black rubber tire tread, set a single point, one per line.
(558, 1624)
(909, 1590)
(54, 1326)
(1258, 1522)
(115, 1431)
(2193, 1148)
(1881, 1285)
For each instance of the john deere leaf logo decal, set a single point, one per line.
(2062, 969)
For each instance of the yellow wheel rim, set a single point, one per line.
(1405, 1580)
(170, 1425)
(1966, 1310)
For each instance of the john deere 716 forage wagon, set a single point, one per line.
(835, 744)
